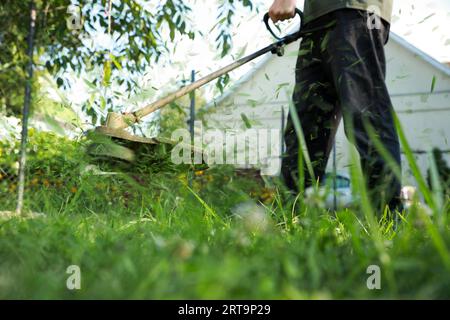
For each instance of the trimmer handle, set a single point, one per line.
(267, 18)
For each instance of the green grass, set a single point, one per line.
(144, 233)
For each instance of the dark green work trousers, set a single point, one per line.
(340, 73)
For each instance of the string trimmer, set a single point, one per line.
(116, 123)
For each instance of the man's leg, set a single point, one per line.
(356, 60)
(314, 99)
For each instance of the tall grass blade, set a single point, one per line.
(383, 151)
(413, 165)
(208, 209)
(303, 151)
(359, 188)
(436, 184)
(436, 237)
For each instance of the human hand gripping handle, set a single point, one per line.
(282, 9)
(267, 18)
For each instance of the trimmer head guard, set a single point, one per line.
(115, 143)
(119, 144)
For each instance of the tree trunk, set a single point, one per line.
(26, 109)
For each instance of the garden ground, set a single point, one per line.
(159, 231)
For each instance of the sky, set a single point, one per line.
(424, 23)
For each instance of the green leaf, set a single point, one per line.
(115, 61)
(246, 120)
(433, 84)
(90, 84)
(59, 82)
(107, 73)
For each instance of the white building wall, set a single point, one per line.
(424, 115)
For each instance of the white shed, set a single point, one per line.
(418, 84)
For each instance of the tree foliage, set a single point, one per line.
(140, 31)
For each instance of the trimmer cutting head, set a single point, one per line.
(116, 143)
(108, 142)
(111, 149)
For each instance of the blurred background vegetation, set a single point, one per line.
(142, 31)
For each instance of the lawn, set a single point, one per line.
(159, 231)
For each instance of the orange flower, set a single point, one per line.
(73, 190)
(199, 173)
